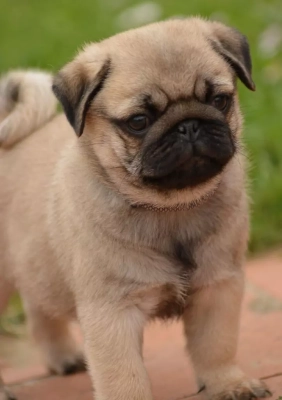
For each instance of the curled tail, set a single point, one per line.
(26, 103)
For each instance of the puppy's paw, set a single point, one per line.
(70, 364)
(6, 395)
(246, 390)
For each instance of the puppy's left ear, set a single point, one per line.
(77, 84)
(234, 48)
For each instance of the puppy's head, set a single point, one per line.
(157, 108)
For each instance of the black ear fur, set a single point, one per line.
(76, 91)
(234, 48)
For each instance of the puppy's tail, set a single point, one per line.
(26, 103)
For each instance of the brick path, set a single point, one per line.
(260, 350)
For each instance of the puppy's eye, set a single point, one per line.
(221, 102)
(138, 123)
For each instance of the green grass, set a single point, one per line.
(11, 323)
(47, 34)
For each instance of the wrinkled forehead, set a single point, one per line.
(162, 67)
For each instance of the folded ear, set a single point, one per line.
(77, 84)
(234, 48)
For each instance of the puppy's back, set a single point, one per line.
(31, 142)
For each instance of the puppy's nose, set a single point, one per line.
(190, 129)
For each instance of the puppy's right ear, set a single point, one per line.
(77, 84)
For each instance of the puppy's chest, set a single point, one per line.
(164, 266)
(174, 296)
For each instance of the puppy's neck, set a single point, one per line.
(97, 204)
(176, 207)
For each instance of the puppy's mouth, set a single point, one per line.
(191, 153)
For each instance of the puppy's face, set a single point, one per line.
(158, 109)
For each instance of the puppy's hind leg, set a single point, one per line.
(4, 393)
(61, 352)
(5, 292)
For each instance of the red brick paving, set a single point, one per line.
(260, 349)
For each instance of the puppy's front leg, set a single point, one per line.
(113, 346)
(211, 325)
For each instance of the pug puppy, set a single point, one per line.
(143, 214)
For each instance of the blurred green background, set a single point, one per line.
(47, 34)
